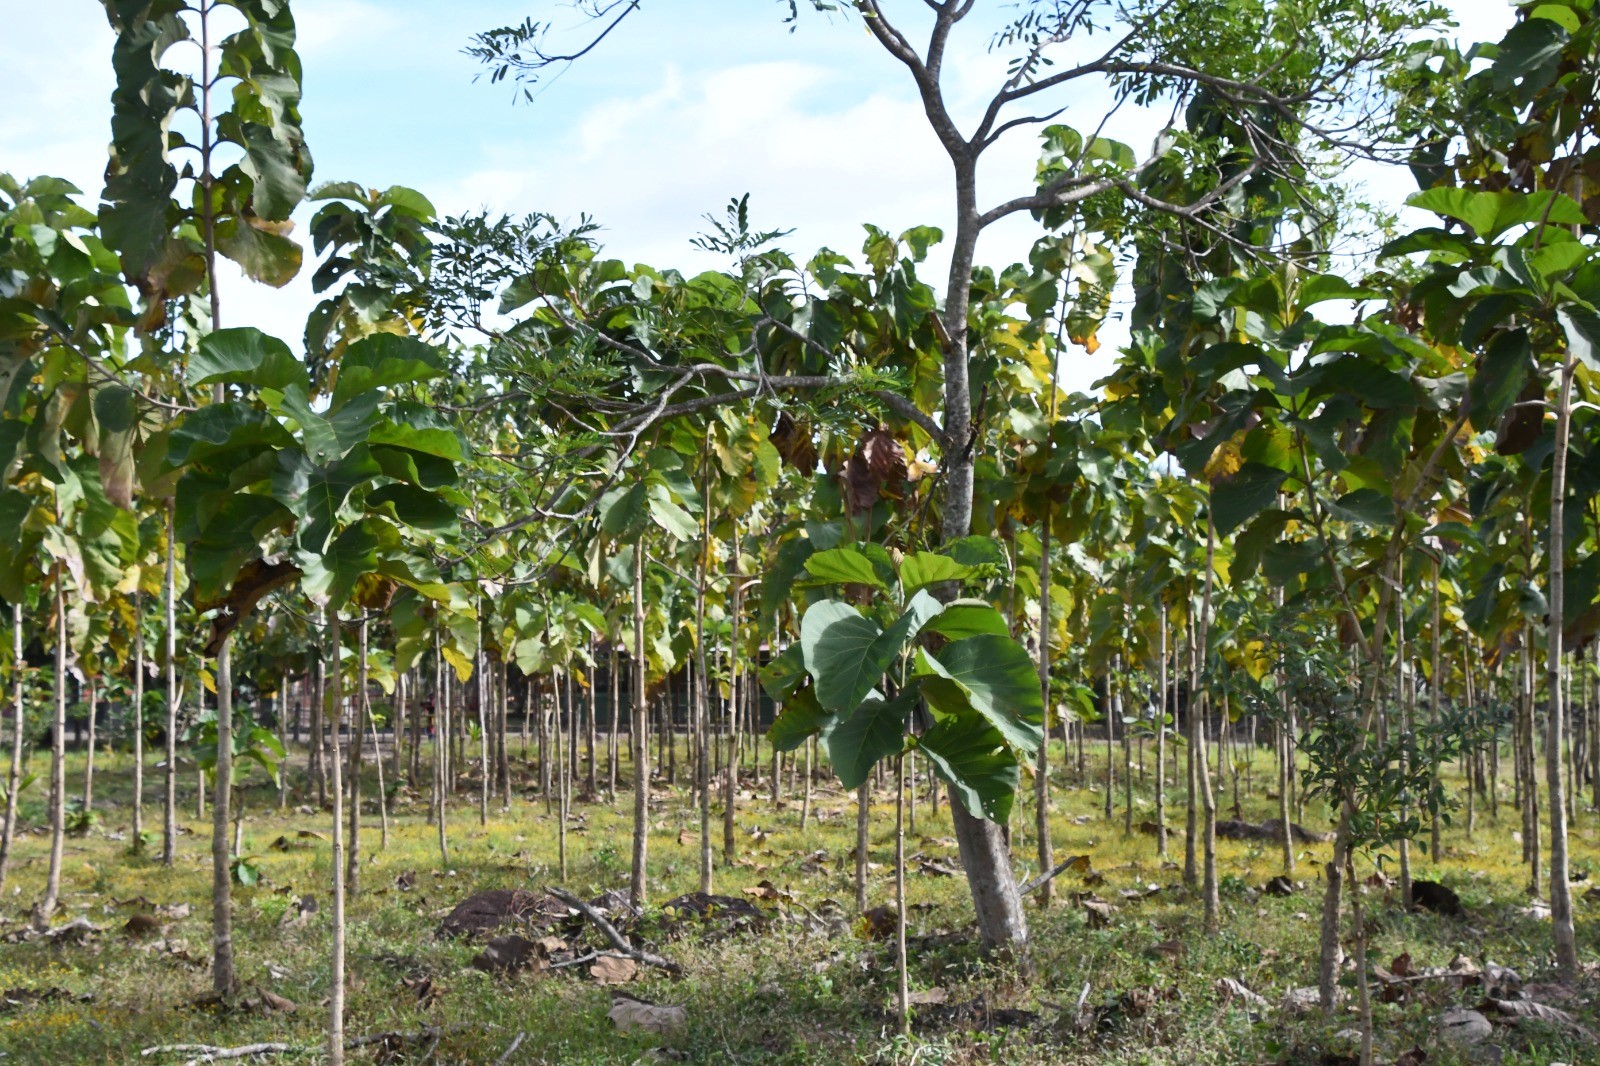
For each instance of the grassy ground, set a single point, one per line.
(788, 992)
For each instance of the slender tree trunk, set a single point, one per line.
(138, 725)
(561, 785)
(1435, 688)
(736, 682)
(483, 728)
(613, 751)
(591, 727)
(8, 828)
(169, 804)
(863, 819)
(414, 760)
(223, 981)
(1403, 705)
(88, 762)
(1208, 802)
(1041, 778)
(903, 996)
(1555, 727)
(283, 742)
(336, 981)
(1191, 809)
(1530, 790)
(358, 735)
(639, 739)
(1165, 690)
(318, 756)
(702, 698)
(440, 747)
(58, 754)
(383, 798)
(805, 797)
(503, 758)
(1363, 991)
(1113, 709)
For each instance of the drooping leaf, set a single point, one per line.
(995, 676)
(800, 718)
(244, 355)
(974, 760)
(873, 730)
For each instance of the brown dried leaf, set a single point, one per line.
(610, 970)
(629, 1014)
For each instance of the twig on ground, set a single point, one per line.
(503, 1059)
(210, 1053)
(1045, 878)
(609, 931)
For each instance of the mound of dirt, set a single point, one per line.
(481, 913)
(1271, 829)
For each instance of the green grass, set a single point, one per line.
(785, 994)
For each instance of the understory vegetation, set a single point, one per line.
(805, 981)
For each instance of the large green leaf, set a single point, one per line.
(624, 511)
(846, 653)
(778, 582)
(968, 618)
(921, 569)
(1240, 497)
(383, 360)
(802, 717)
(993, 675)
(1365, 507)
(874, 730)
(1492, 213)
(666, 513)
(117, 415)
(331, 576)
(225, 434)
(783, 675)
(419, 429)
(316, 493)
(843, 566)
(417, 508)
(1582, 327)
(262, 249)
(229, 537)
(973, 758)
(329, 437)
(837, 642)
(108, 535)
(246, 356)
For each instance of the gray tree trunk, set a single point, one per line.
(1555, 728)
(222, 976)
(8, 827)
(639, 739)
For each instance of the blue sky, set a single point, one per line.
(692, 103)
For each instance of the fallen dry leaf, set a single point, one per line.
(629, 1015)
(1230, 989)
(610, 970)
